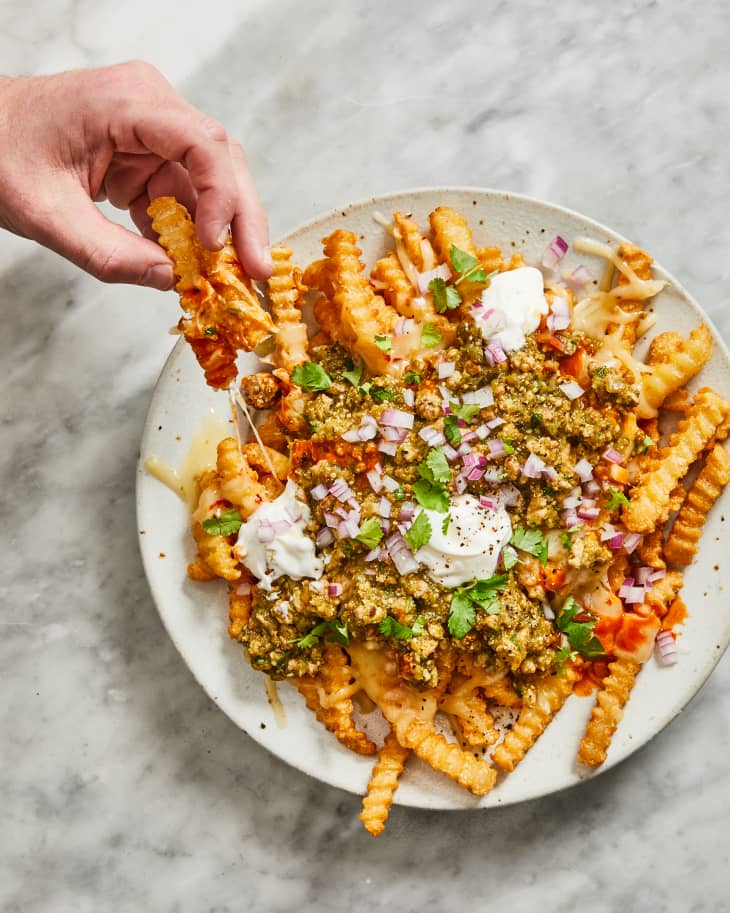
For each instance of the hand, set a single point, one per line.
(120, 133)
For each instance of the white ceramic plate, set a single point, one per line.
(195, 615)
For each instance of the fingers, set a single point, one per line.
(77, 230)
(249, 226)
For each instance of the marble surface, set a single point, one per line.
(123, 787)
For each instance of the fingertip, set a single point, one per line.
(159, 276)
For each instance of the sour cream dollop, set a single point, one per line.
(291, 552)
(513, 304)
(470, 547)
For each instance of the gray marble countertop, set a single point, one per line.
(123, 787)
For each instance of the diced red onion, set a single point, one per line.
(409, 396)
(509, 495)
(616, 541)
(468, 436)
(632, 595)
(324, 537)
(265, 531)
(464, 448)
(641, 575)
(572, 389)
(281, 526)
(385, 525)
(550, 473)
(475, 474)
(396, 418)
(587, 502)
(447, 395)
(390, 483)
(446, 369)
(532, 467)
(492, 475)
(407, 511)
(612, 455)
(460, 484)
(384, 507)
(375, 480)
(609, 532)
(489, 503)
(368, 427)
(571, 502)
(403, 326)
(588, 513)
(496, 448)
(583, 470)
(631, 540)
(667, 648)
(331, 519)
(342, 513)
(547, 611)
(319, 492)
(557, 322)
(341, 490)
(592, 488)
(388, 447)
(554, 252)
(481, 397)
(580, 276)
(352, 435)
(495, 423)
(394, 434)
(348, 529)
(570, 518)
(401, 554)
(373, 554)
(432, 436)
(482, 432)
(334, 589)
(472, 459)
(655, 575)
(494, 353)
(425, 278)
(450, 453)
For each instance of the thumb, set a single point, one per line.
(79, 232)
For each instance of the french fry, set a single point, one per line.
(608, 711)
(383, 784)
(328, 696)
(214, 555)
(237, 481)
(291, 342)
(240, 599)
(640, 262)
(681, 546)
(552, 692)
(417, 248)
(674, 370)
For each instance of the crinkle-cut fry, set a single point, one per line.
(490, 259)
(215, 553)
(468, 714)
(679, 401)
(363, 315)
(448, 228)
(650, 499)
(327, 696)
(417, 248)
(502, 692)
(640, 262)
(240, 599)
(552, 692)
(389, 278)
(237, 481)
(608, 711)
(266, 460)
(651, 550)
(411, 714)
(383, 784)
(670, 374)
(272, 434)
(222, 313)
(318, 276)
(681, 546)
(291, 341)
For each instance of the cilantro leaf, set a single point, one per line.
(399, 494)
(467, 412)
(211, 331)
(508, 447)
(445, 524)
(481, 593)
(468, 266)
(445, 297)
(579, 633)
(391, 627)
(418, 625)
(509, 557)
(333, 630)
(311, 377)
(435, 468)
(615, 499)
(431, 496)
(562, 656)
(462, 615)
(530, 541)
(383, 342)
(451, 430)
(566, 540)
(364, 389)
(644, 446)
(226, 524)
(370, 532)
(410, 377)
(430, 335)
(419, 533)
(380, 394)
(354, 375)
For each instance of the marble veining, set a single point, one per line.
(123, 787)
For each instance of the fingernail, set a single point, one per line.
(159, 277)
(267, 259)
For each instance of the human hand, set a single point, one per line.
(120, 133)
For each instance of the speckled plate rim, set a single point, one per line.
(199, 629)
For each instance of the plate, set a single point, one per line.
(195, 614)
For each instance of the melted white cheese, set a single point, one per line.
(470, 547)
(516, 300)
(291, 553)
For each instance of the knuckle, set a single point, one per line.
(102, 263)
(213, 129)
(140, 70)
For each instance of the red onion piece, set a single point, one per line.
(612, 455)
(409, 396)
(642, 575)
(588, 513)
(319, 492)
(475, 474)
(403, 326)
(352, 435)
(592, 488)
(554, 252)
(495, 423)
(334, 589)
(401, 554)
(396, 418)
(460, 484)
(390, 483)
(482, 432)
(583, 470)
(265, 531)
(667, 648)
(616, 541)
(407, 511)
(632, 595)
(532, 467)
(388, 448)
(509, 495)
(580, 276)
(384, 507)
(496, 448)
(656, 575)
(471, 460)
(394, 434)
(468, 436)
(572, 389)
(489, 503)
(425, 278)
(348, 529)
(324, 537)
(331, 519)
(446, 369)
(494, 353)
(450, 453)
(341, 490)
(571, 502)
(608, 532)
(550, 473)
(432, 436)
(243, 589)
(481, 397)
(631, 540)
(375, 480)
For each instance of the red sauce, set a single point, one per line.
(635, 633)
(676, 615)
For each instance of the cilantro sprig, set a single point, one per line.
(430, 335)
(466, 600)
(326, 630)
(391, 627)
(225, 524)
(531, 541)
(419, 533)
(579, 633)
(435, 472)
(354, 374)
(370, 532)
(383, 342)
(445, 297)
(467, 266)
(311, 377)
(615, 499)
(467, 412)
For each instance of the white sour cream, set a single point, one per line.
(513, 304)
(470, 547)
(291, 552)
